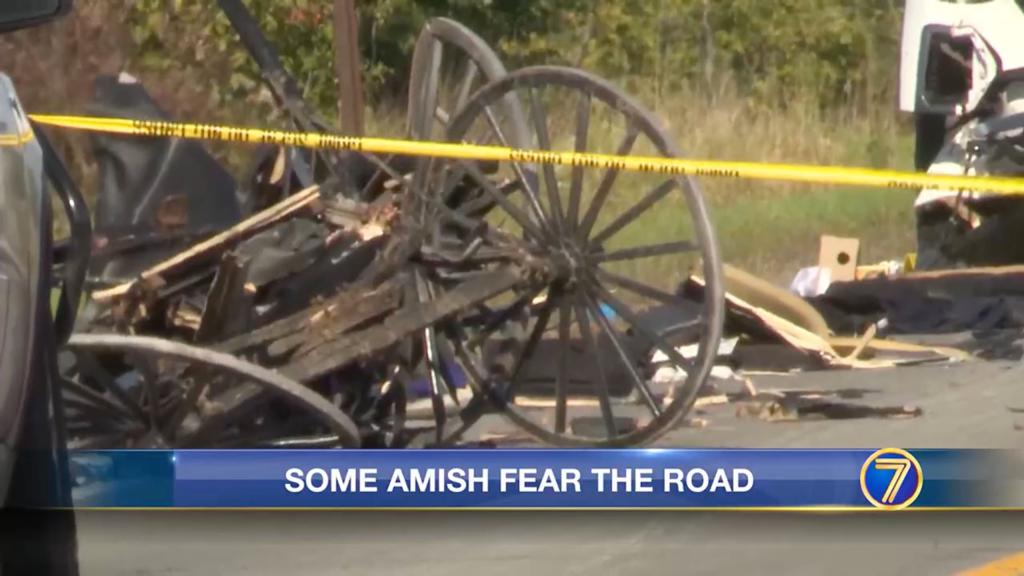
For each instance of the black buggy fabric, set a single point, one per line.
(152, 189)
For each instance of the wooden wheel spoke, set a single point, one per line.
(465, 222)
(524, 221)
(600, 382)
(501, 318)
(637, 324)
(99, 416)
(529, 180)
(444, 358)
(638, 381)
(90, 364)
(579, 145)
(189, 401)
(649, 251)
(540, 124)
(233, 405)
(149, 376)
(438, 384)
(442, 115)
(87, 394)
(429, 91)
(562, 378)
(393, 394)
(96, 442)
(441, 41)
(469, 75)
(643, 290)
(607, 182)
(480, 205)
(634, 212)
(541, 324)
(98, 426)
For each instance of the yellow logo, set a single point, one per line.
(891, 478)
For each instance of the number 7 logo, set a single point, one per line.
(885, 476)
(901, 466)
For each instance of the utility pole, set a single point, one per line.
(348, 67)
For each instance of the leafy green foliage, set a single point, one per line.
(840, 52)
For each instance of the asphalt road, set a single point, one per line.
(539, 543)
(973, 405)
(967, 405)
(964, 405)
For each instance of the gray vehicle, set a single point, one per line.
(33, 461)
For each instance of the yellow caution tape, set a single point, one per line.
(659, 165)
(14, 140)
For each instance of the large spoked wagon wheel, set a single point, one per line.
(142, 392)
(567, 355)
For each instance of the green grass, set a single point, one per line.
(774, 236)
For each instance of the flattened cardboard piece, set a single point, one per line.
(840, 256)
(758, 321)
(761, 293)
(910, 350)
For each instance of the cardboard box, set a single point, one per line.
(840, 256)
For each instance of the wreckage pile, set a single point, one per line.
(345, 300)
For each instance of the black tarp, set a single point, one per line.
(934, 306)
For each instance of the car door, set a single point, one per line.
(22, 243)
(33, 462)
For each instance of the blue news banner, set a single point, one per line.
(655, 478)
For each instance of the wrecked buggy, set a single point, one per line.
(335, 299)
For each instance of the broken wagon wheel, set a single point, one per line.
(606, 247)
(137, 392)
(449, 63)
